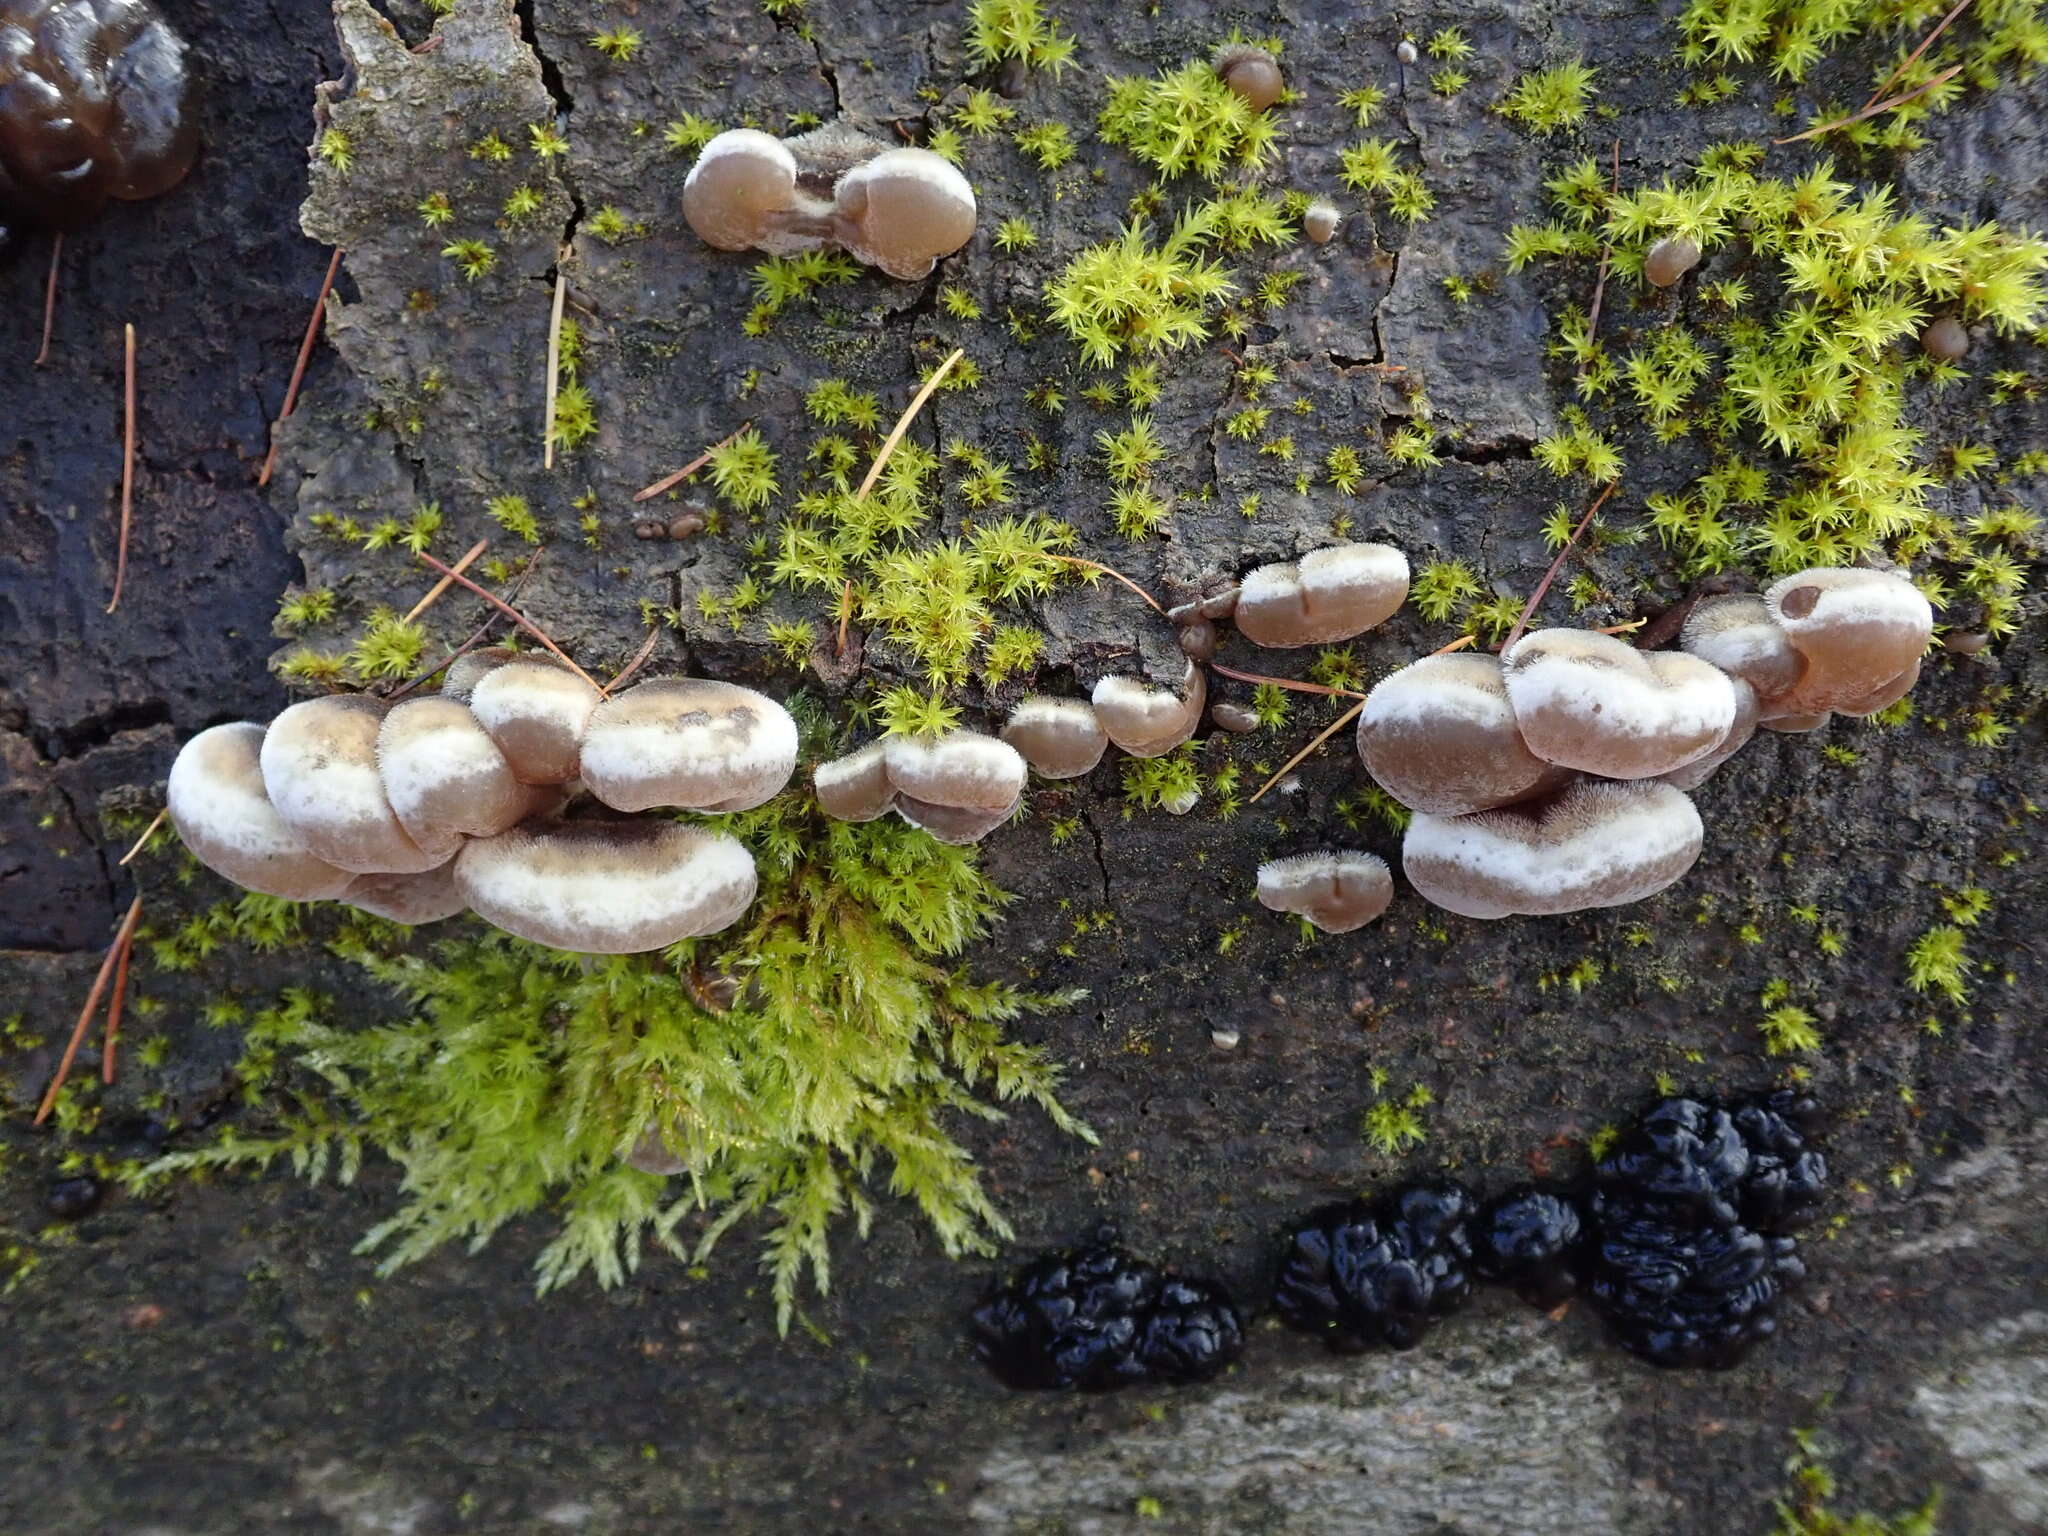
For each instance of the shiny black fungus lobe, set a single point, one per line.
(1534, 1240)
(1691, 1216)
(1096, 1318)
(1379, 1273)
(96, 102)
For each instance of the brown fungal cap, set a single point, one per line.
(963, 770)
(1146, 721)
(855, 787)
(223, 813)
(1328, 595)
(1670, 259)
(1738, 634)
(688, 742)
(1595, 845)
(1252, 73)
(1861, 634)
(742, 195)
(466, 670)
(443, 774)
(607, 887)
(430, 896)
(956, 824)
(1589, 701)
(902, 211)
(319, 762)
(536, 712)
(1321, 220)
(1059, 738)
(652, 1154)
(1795, 725)
(1337, 890)
(1947, 339)
(1697, 772)
(1440, 736)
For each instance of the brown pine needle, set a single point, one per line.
(515, 616)
(1113, 574)
(50, 297)
(434, 592)
(669, 482)
(547, 435)
(1456, 645)
(125, 944)
(127, 465)
(639, 659)
(1322, 736)
(903, 422)
(1284, 682)
(291, 390)
(845, 614)
(142, 842)
(1606, 261)
(1914, 57)
(1543, 586)
(92, 1004)
(1875, 109)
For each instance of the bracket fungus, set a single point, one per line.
(220, 808)
(1440, 736)
(1669, 259)
(1700, 769)
(1059, 738)
(426, 897)
(319, 761)
(536, 712)
(1146, 721)
(959, 787)
(1589, 701)
(1328, 595)
(444, 775)
(1860, 633)
(855, 787)
(607, 887)
(742, 195)
(1595, 845)
(1737, 633)
(690, 743)
(902, 211)
(1337, 890)
(1251, 72)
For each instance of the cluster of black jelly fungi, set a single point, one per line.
(1094, 1317)
(1682, 1241)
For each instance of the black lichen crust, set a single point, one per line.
(1691, 1216)
(1379, 1273)
(1096, 1318)
(1534, 1240)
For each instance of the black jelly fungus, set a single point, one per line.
(1096, 1318)
(1364, 1273)
(72, 1199)
(1534, 1240)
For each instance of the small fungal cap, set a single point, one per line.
(1337, 890)
(223, 813)
(1595, 845)
(1198, 640)
(1059, 738)
(1592, 702)
(1947, 339)
(428, 897)
(1406, 52)
(607, 887)
(1235, 718)
(1220, 604)
(903, 210)
(962, 770)
(652, 1154)
(1795, 725)
(1738, 634)
(1665, 262)
(1860, 633)
(1252, 73)
(742, 179)
(443, 774)
(1321, 220)
(319, 763)
(688, 742)
(1328, 595)
(536, 712)
(1440, 736)
(855, 787)
(1697, 772)
(466, 670)
(956, 824)
(1225, 1039)
(1146, 721)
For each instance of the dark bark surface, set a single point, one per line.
(216, 1359)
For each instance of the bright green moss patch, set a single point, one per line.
(1187, 120)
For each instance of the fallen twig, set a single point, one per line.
(127, 463)
(92, 1003)
(1606, 261)
(1557, 565)
(669, 482)
(291, 391)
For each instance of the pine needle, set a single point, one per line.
(434, 592)
(1876, 108)
(127, 462)
(92, 1003)
(1543, 586)
(50, 297)
(669, 482)
(143, 841)
(1322, 736)
(1283, 682)
(291, 392)
(516, 617)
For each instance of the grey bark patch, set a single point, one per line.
(1991, 1408)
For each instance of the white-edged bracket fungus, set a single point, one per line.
(1588, 701)
(959, 787)
(535, 710)
(956, 824)
(1738, 634)
(1059, 738)
(1595, 845)
(855, 787)
(223, 813)
(1337, 890)
(1796, 725)
(1146, 721)
(319, 762)
(1251, 72)
(607, 887)
(1697, 772)
(902, 211)
(742, 195)
(1440, 736)
(690, 743)
(427, 897)
(444, 775)
(466, 670)
(1861, 634)
(1328, 595)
